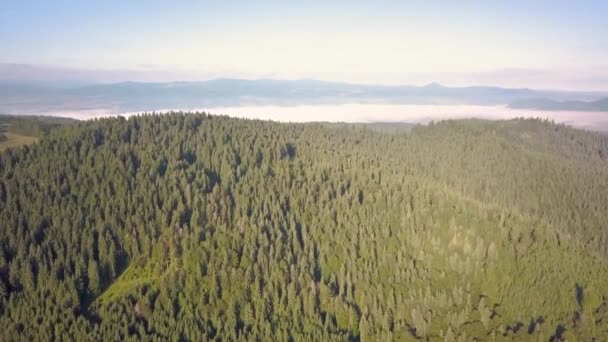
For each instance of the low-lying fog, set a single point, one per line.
(379, 113)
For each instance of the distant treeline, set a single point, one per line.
(35, 126)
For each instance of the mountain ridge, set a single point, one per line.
(28, 97)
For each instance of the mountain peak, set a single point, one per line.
(434, 85)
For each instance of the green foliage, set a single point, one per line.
(195, 227)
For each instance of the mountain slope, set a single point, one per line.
(188, 226)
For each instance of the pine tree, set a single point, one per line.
(94, 283)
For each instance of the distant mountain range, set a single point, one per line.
(43, 97)
(600, 105)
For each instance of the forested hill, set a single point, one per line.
(194, 227)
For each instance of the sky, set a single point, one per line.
(539, 44)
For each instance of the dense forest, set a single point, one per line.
(186, 226)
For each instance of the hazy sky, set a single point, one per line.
(551, 44)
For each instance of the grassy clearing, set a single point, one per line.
(16, 140)
(140, 272)
(135, 275)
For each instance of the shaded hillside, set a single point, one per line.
(194, 227)
(550, 171)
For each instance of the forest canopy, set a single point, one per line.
(187, 226)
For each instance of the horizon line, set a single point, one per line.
(81, 83)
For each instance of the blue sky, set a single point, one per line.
(564, 43)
